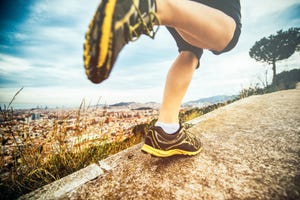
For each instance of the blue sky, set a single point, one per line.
(41, 50)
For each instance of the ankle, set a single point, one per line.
(169, 118)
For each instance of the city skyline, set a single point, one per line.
(41, 50)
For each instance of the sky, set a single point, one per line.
(41, 47)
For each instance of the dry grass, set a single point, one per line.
(32, 167)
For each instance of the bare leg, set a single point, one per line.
(198, 24)
(201, 26)
(176, 86)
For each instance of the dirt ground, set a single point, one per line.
(251, 151)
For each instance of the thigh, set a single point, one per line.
(195, 40)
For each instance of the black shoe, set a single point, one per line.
(161, 144)
(115, 23)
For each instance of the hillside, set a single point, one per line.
(153, 105)
(251, 151)
(210, 100)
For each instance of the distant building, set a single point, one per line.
(35, 116)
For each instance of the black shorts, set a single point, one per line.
(230, 7)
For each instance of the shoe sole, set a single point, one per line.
(100, 33)
(161, 153)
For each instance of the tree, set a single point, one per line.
(276, 47)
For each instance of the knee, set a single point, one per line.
(189, 58)
(183, 68)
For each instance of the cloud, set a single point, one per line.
(9, 64)
(263, 20)
(62, 12)
(45, 48)
(21, 72)
(254, 11)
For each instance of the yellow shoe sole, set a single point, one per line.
(161, 153)
(99, 59)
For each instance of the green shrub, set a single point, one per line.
(287, 79)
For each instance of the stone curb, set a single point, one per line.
(60, 187)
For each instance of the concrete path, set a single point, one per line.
(251, 151)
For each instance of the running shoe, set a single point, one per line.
(115, 23)
(160, 144)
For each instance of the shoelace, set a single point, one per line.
(147, 29)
